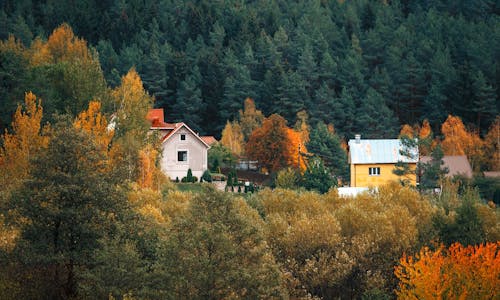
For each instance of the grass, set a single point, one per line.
(189, 187)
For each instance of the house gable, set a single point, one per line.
(182, 148)
(372, 161)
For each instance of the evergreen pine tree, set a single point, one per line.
(189, 103)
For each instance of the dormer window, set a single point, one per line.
(183, 137)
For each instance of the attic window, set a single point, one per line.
(375, 171)
(183, 137)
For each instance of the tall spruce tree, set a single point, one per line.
(189, 103)
(326, 145)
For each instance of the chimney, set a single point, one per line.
(358, 138)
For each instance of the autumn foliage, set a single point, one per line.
(24, 141)
(94, 122)
(275, 145)
(455, 273)
(456, 138)
(250, 118)
(232, 138)
(62, 45)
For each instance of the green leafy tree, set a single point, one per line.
(466, 227)
(217, 250)
(220, 157)
(62, 212)
(287, 179)
(317, 177)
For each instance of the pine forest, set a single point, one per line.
(87, 210)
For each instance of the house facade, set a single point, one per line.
(182, 149)
(372, 161)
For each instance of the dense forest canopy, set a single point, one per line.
(365, 66)
(87, 213)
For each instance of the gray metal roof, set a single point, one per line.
(379, 152)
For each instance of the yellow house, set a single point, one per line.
(372, 161)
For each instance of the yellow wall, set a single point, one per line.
(361, 178)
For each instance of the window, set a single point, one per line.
(182, 155)
(183, 137)
(375, 171)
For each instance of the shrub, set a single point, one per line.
(206, 176)
(189, 176)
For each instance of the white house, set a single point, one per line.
(182, 148)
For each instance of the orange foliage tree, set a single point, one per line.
(456, 137)
(95, 123)
(459, 141)
(425, 136)
(62, 45)
(275, 145)
(455, 273)
(269, 143)
(27, 138)
(296, 147)
(407, 131)
(147, 166)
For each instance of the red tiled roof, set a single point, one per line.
(208, 139)
(174, 127)
(156, 117)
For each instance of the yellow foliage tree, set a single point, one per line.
(250, 118)
(456, 138)
(62, 45)
(458, 141)
(232, 138)
(13, 45)
(425, 131)
(425, 136)
(455, 273)
(131, 149)
(27, 138)
(407, 131)
(94, 122)
(150, 176)
(133, 103)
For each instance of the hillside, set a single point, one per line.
(365, 66)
